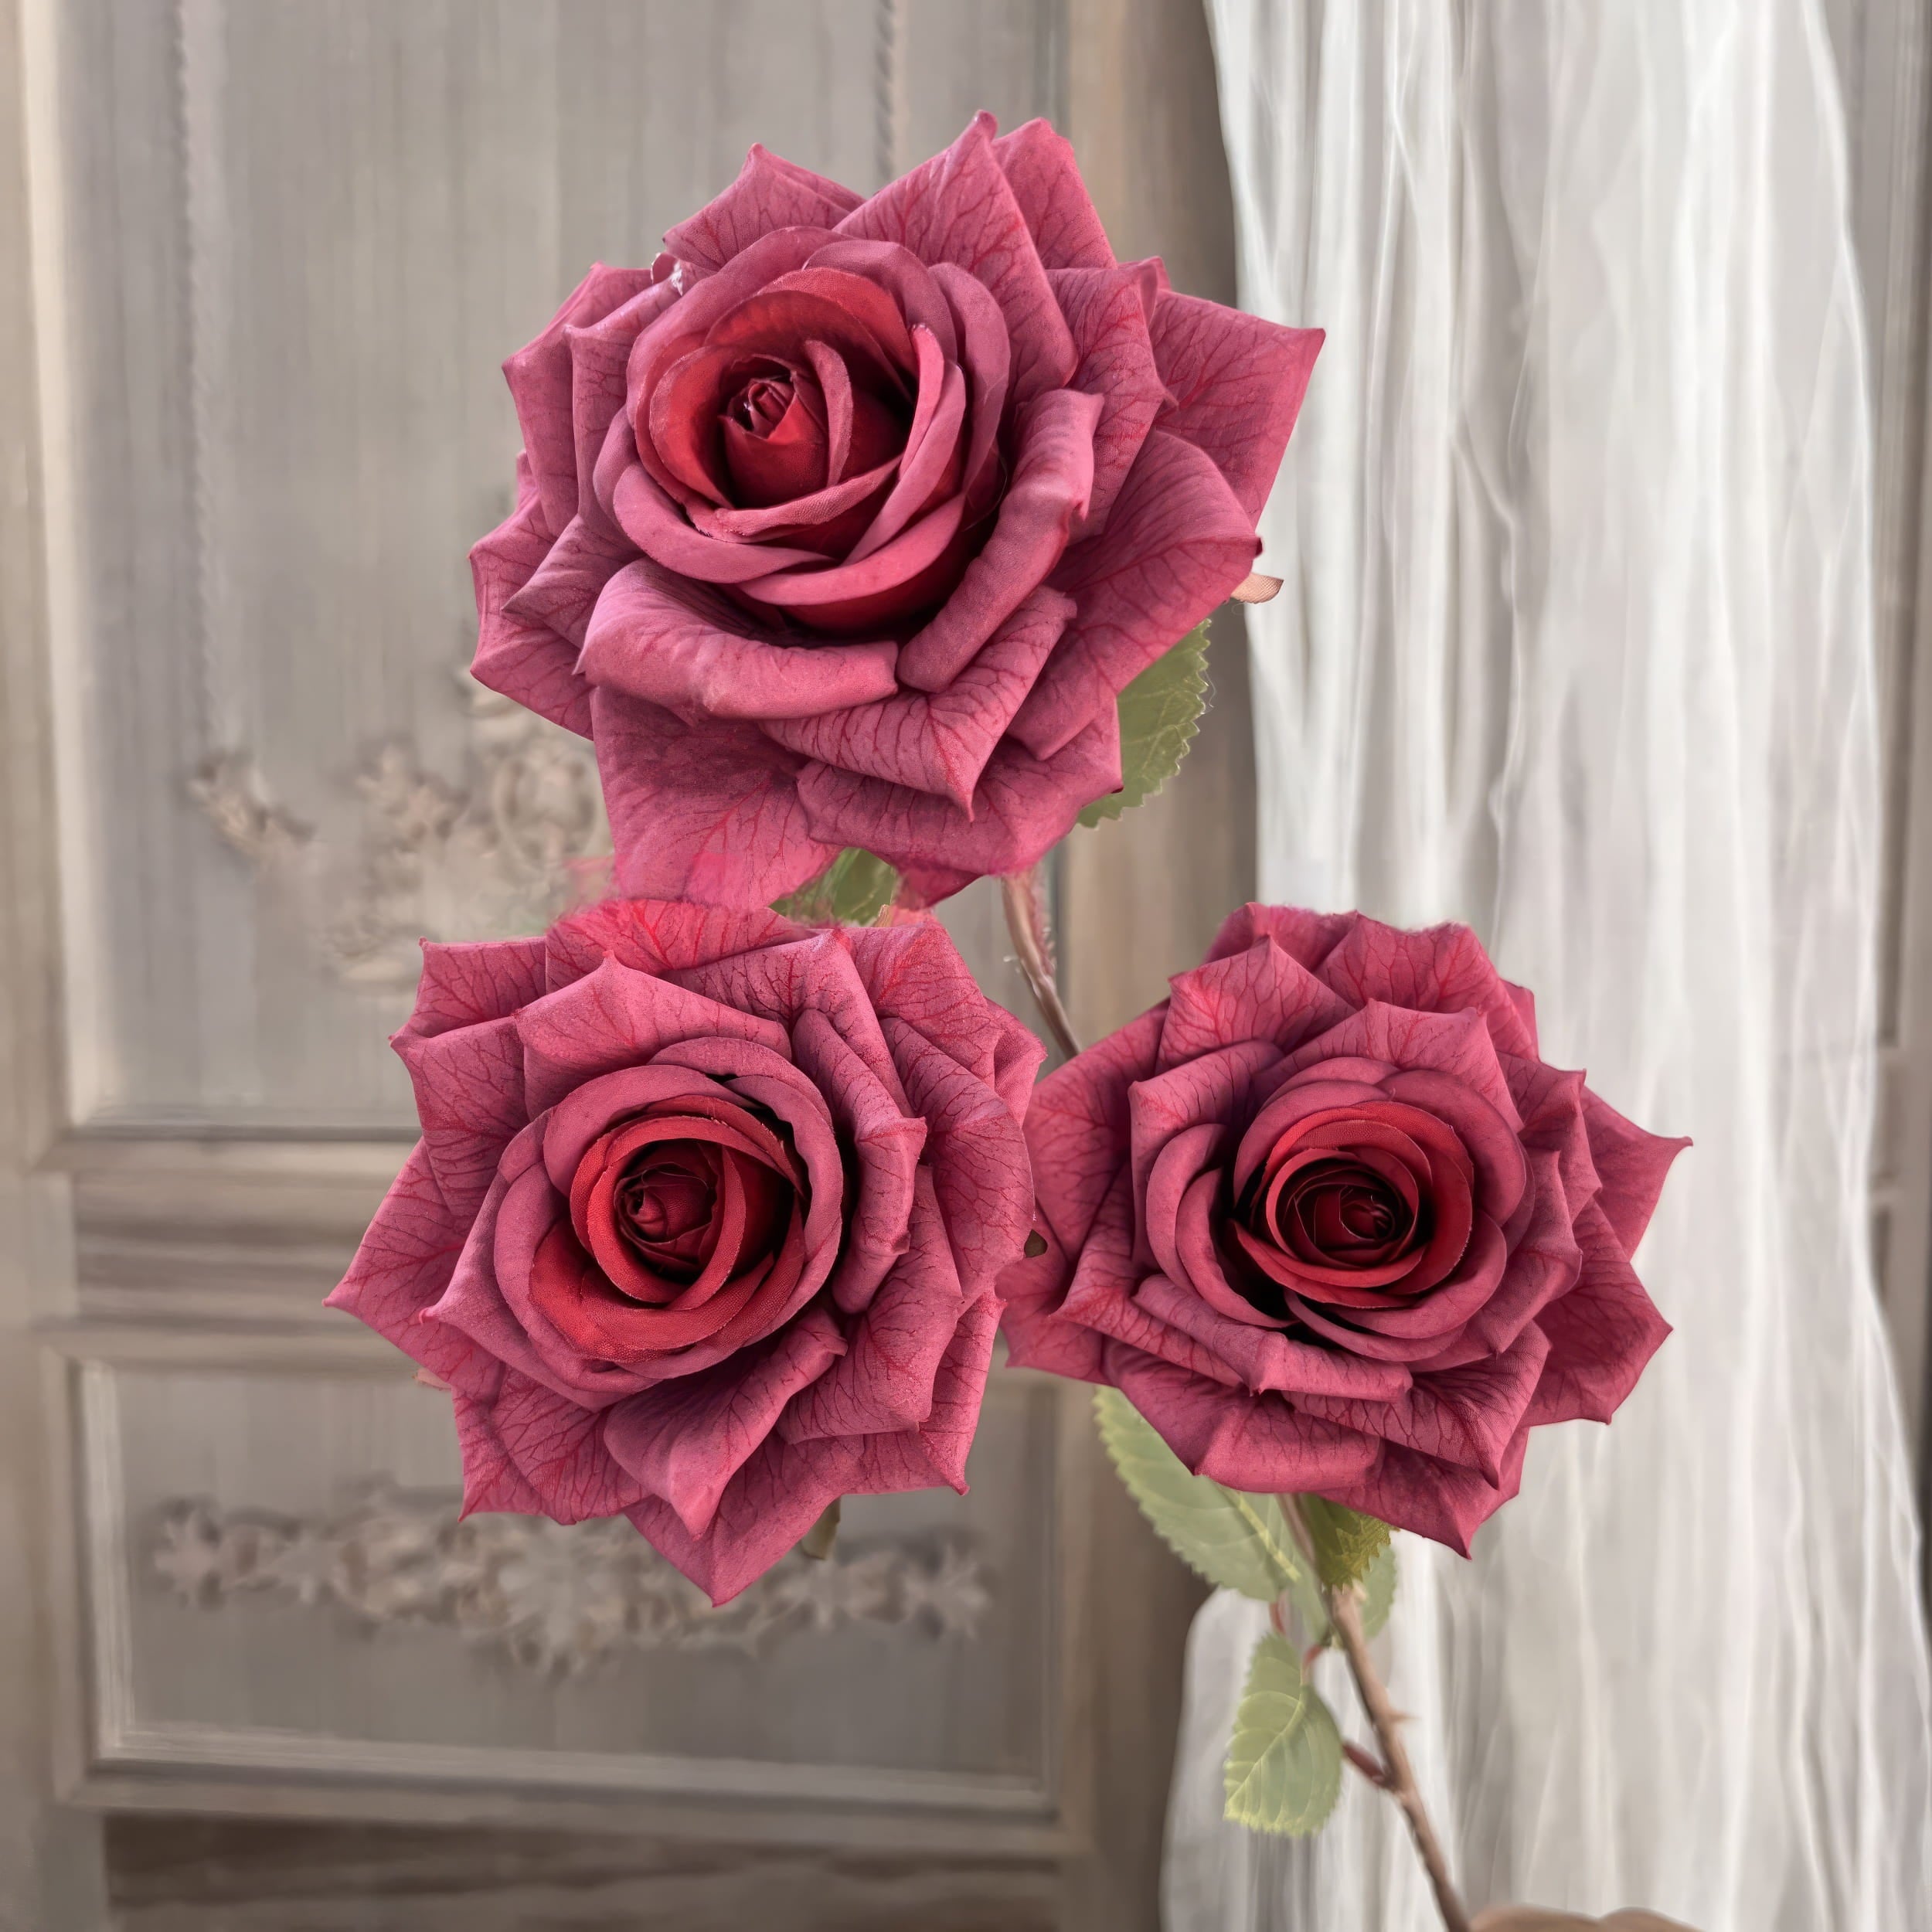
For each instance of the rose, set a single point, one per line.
(704, 1224)
(845, 523)
(1333, 1226)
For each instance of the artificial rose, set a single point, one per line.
(1331, 1225)
(704, 1224)
(845, 523)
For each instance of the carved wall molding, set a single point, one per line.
(555, 1600)
(520, 838)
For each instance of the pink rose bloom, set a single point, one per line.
(704, 1224)
(1331, 1224)
(845, 523)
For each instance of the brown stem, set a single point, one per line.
(1026, 921)
(1344, 1607)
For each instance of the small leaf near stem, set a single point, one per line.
(817, 1542)
(856, 888)
(1283, 1770)
(1025, 908)
(1160, 712)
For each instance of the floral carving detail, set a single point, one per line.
(555, 1600)
(522, 839)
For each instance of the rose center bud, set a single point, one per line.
(1345, 1212)
(666, 1204)
(761, 404)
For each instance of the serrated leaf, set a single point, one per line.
(1283, 1770)
(1345, 1542)
(1379, 1590)
(1160, 712)
(855, 888)
(1238, 1541)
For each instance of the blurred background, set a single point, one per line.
(260, 260)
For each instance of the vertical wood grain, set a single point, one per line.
(1140, 897)
(51, 1873)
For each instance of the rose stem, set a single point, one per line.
(1026, 921)
(1344, 1607)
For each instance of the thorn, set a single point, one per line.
(1275, 1618)
(429, 1381)
(1309, 1655)
(1256, 589)
(1372, 1768)
(818, 1541)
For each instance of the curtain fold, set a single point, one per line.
(1576, 645)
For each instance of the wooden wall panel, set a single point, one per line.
(1141, 896)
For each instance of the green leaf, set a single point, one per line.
(1345, 1542)
(1240, 1542)
(1160, 712)
(856, 888)
(1285, 1760)
(1379, 1590)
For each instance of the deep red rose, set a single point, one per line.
(704, 1224)
(845, 523)
(1329, 1222)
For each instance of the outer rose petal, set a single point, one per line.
(1631, 1165)
(768, 193)
(781, 1490)
(525, 660)
(1045, 181)
(684, 1441)
(557, 1448)
(1105, 309)
(1601, 1333)
(656, 936)
(1237, 383)
(939, 744)
(1442, 969)
(539, 374)
(959, 208)
(401, 1270)
(659, 637)
(1260, 995)
(474, 980)
(1307, 937)
(711, 815)
(1052, 484)
(1080, 1126)
(1174, 548)
(1435, 1499)
(1022, 807)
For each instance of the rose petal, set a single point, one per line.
(911, 284)
(1107, 315)
(941, 744)
(1469, 1416)
(1442, 969)
(527, 661)
(1236, 383)
(616, 1018)
(1039, 164)
(401, 1267)
(539, 374)
(1053, 482)
(768, 193)
(1022, 807)
(711, 815)
(1601, 1333)
(1631, 1165)
(1175, 545)
(1078, 1128)
(957, 207)
(685, 1441)
(656, 525)
(473, 981)
(1261, 994)
(675, 645)
(884, 1380)
(556, 1447)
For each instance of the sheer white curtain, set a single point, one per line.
(1576, 645)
